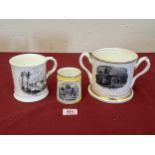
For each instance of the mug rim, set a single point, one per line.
(69, 68)
(27, 65)
(114, 49)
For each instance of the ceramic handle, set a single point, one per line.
(53, 68)
(87, 55)
(143, 59)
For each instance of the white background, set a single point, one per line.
(77, 145)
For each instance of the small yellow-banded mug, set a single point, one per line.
(69, 85)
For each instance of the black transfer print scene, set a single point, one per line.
(32, 82)
(68, 91)
(111, 77)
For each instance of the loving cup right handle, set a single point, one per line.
(87, 55)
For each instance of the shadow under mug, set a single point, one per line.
(113, 71)
(30, 76)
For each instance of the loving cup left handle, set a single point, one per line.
(87, 55)
(50, 72)
(143, 59)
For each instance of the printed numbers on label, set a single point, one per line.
(69, 112)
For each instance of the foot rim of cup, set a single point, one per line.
(110, 100)
(32, 98)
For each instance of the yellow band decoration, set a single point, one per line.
(69, 79)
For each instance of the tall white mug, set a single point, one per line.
(113, 71)
(30, 76)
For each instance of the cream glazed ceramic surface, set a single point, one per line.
(30, 76)
(69, 85)
(108, 86)
(112, 72)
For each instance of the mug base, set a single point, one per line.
(110, 99)
(68, 103)
(29, 99)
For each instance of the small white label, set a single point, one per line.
(69, 112)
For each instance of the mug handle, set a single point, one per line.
(49, 73)
(143, 71)
(87, 55)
